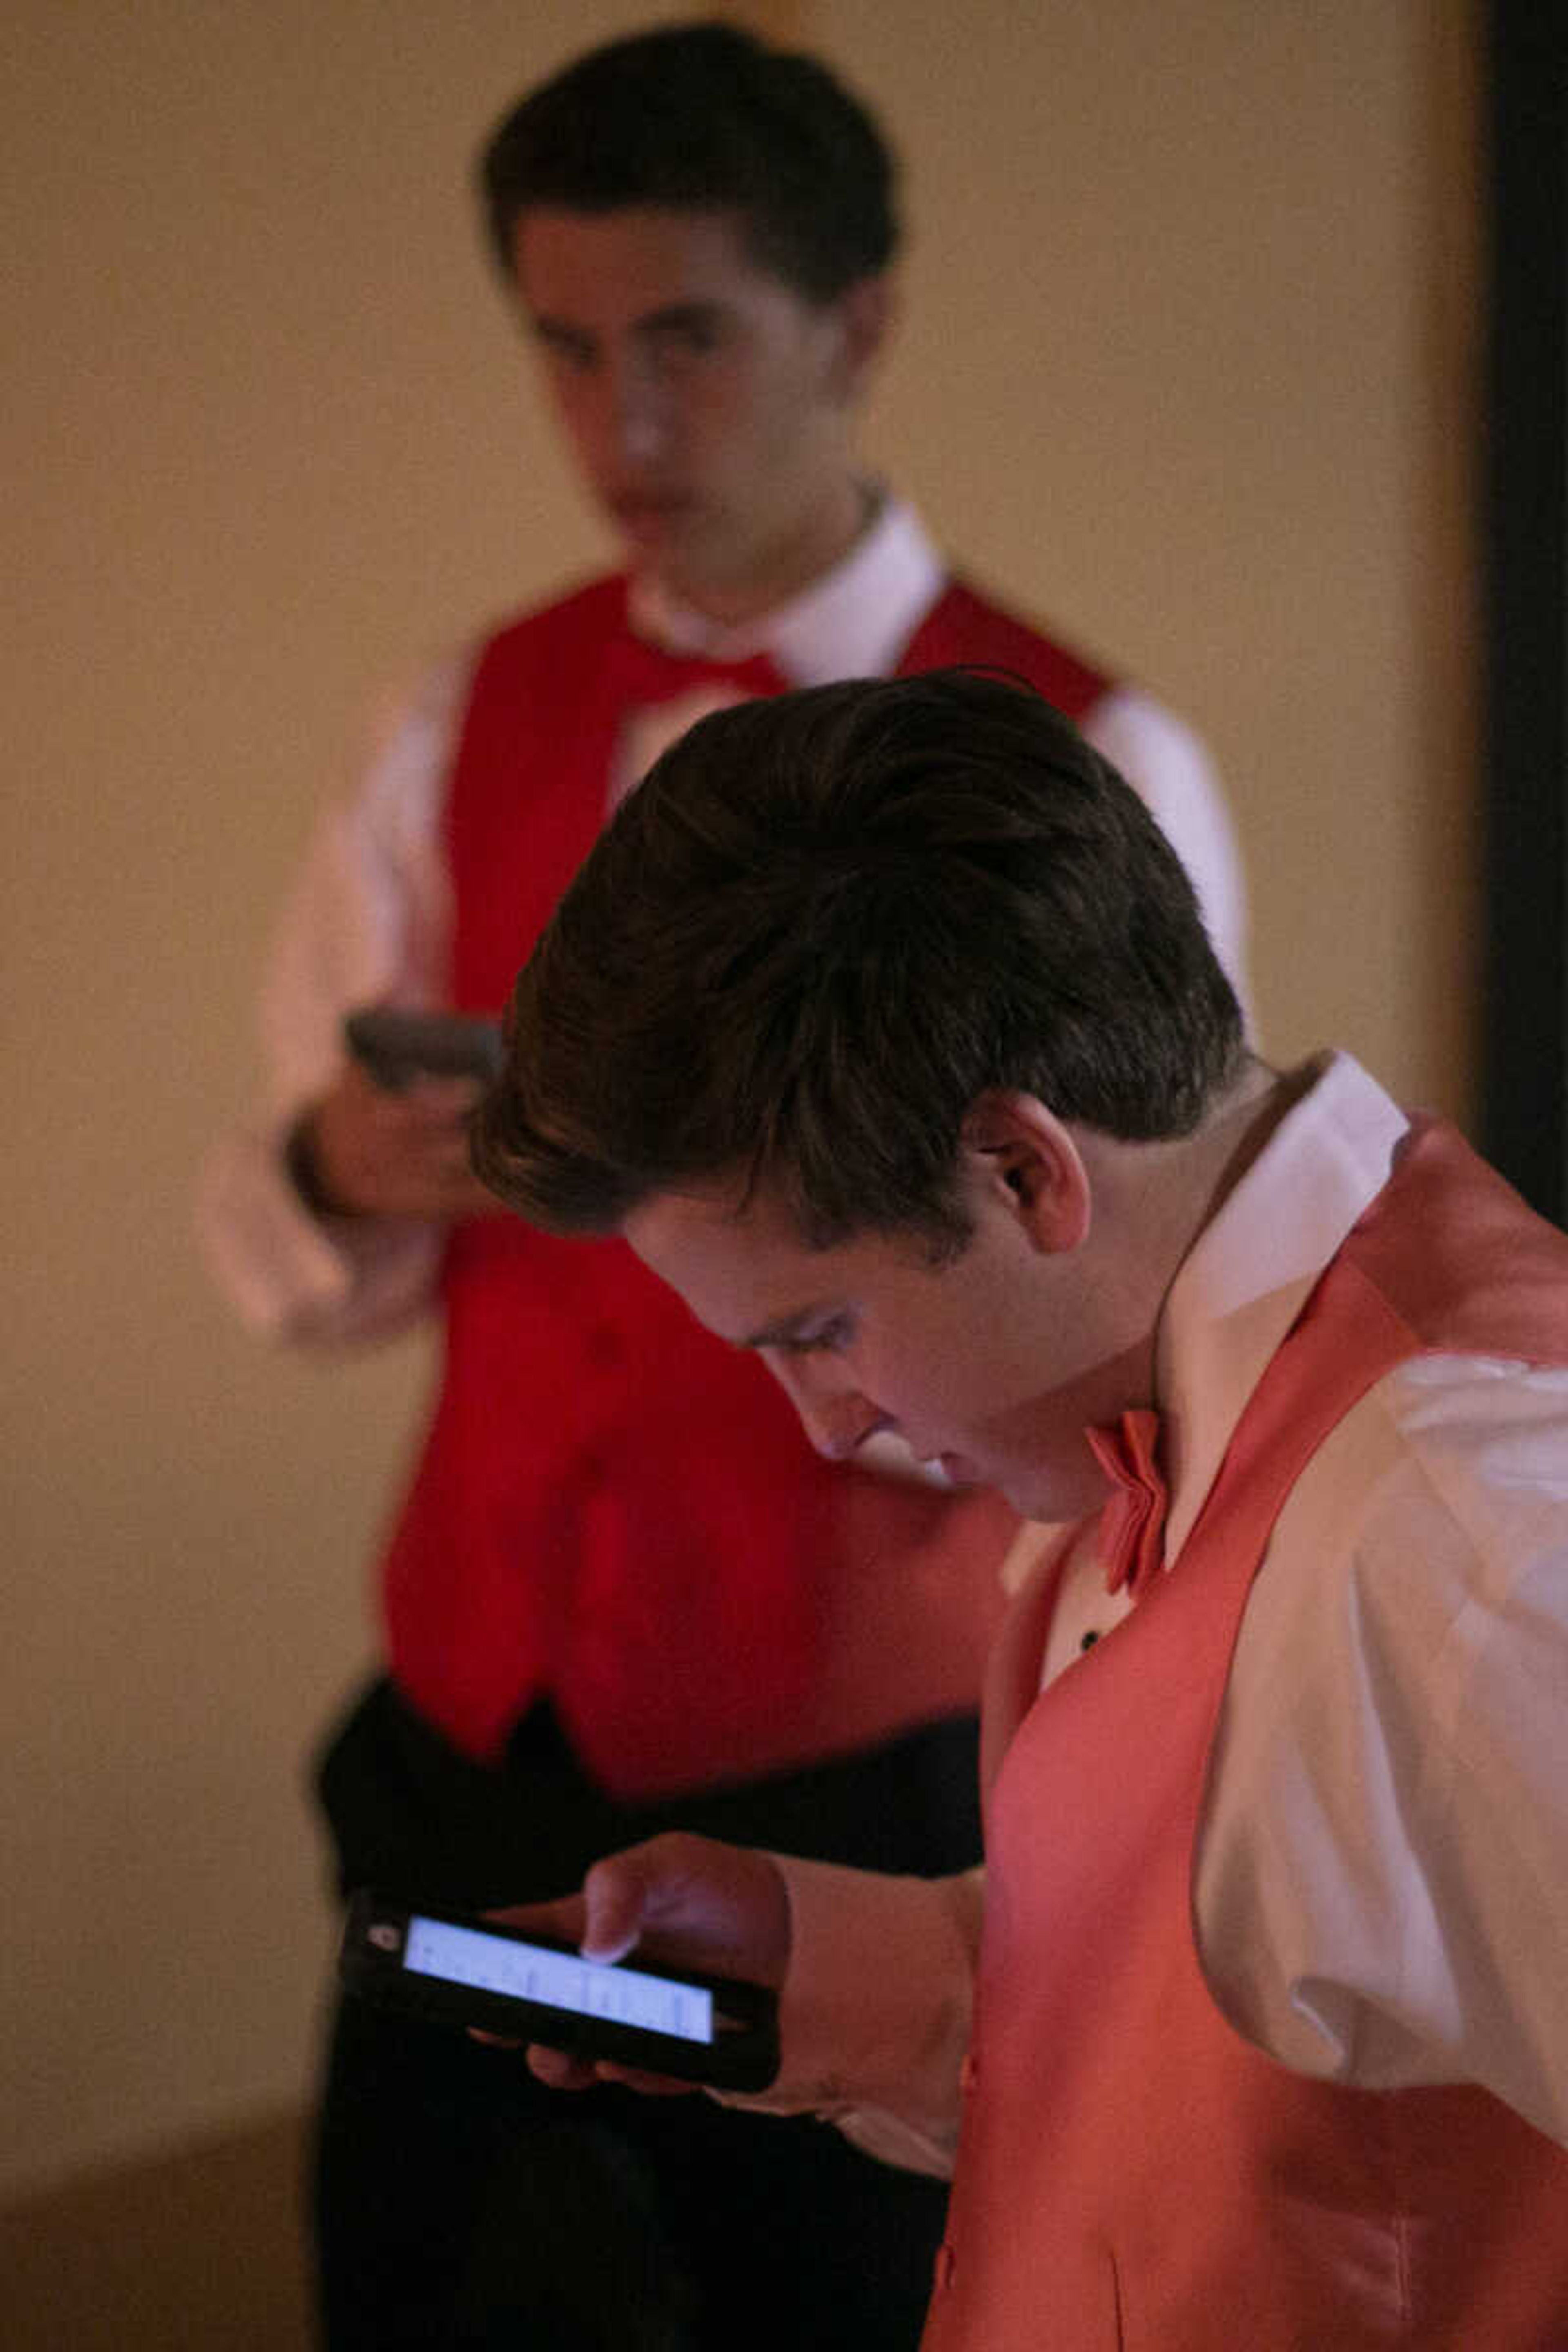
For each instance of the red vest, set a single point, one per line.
(611, 1506)
(1132, 2177)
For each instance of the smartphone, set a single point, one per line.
(457, 1969)
(397, 1047)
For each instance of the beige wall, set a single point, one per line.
(1173, 372)
(1184, 401)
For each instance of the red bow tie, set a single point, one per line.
(1132, 1524)
(642, 673)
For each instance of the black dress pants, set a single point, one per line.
(460, 2203)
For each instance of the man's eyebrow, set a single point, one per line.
(552, 330)
(699, 311)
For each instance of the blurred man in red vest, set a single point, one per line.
(620, 1594)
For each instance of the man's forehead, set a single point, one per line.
(739, 1265)
(641, 255)
(715, 1223)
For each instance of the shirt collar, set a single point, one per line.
(853, 622)
(1249, 1273)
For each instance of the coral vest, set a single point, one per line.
(611, 1507)
(1131, 2174)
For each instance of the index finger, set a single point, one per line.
(563, 1915)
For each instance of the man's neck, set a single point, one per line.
(1214, 1160)
(1237, 1131)
(817, 542)
(1153, 1201)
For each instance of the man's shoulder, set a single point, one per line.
(967, 624)
(547, 632)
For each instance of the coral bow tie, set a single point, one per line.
(1132, 1524)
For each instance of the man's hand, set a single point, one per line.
(688, 1901)
(375, 1153)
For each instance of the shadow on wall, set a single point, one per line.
(182, 2254)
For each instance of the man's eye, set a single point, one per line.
(687, 338)
(823, 1339)
(574, 353)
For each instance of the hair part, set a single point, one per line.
(702, 117)
(824, 926)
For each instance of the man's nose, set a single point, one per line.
(837, 1420)
(639, 408)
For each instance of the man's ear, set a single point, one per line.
(867, 311)
(1024, 1152)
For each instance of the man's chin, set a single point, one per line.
(656, 530)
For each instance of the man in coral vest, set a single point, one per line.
(620, 1591)
(1253, 2031)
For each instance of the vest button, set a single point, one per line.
(969, 2075)
(946, 2264)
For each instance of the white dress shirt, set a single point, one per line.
(370, 915)
(1381, 1877)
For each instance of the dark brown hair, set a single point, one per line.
(824, 926)
(703, 117)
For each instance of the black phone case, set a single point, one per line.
(744, 2057)
(398, 1048)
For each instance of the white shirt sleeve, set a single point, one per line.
(1382, 1874)
(1174, 777)
(369, 918)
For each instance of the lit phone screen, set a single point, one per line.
(435, 1947)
